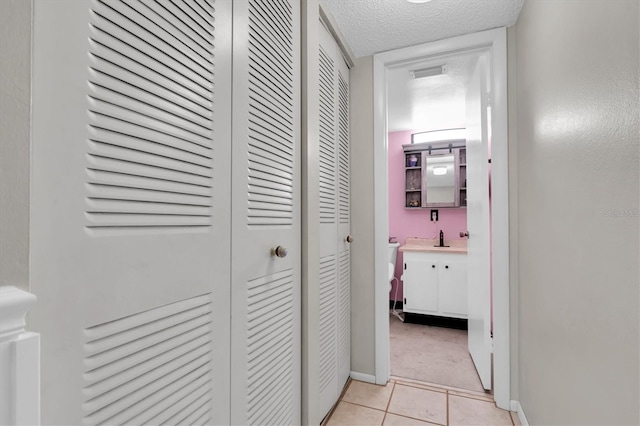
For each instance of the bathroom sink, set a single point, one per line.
(430, 244)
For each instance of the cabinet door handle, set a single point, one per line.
(433, 266)
(447, 266)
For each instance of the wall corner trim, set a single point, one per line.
(517, 408)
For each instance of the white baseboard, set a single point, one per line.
(369, 378)
(515, 406)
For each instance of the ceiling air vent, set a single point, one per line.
(428, 72)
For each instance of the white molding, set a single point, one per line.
(361, 377)
(495, 41)
(14, 304)
(329, 21)
(517, 408)
(500, 220)
(381, 223)
(19, 360)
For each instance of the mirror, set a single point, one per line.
(440, 180)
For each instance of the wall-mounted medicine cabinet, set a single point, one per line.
(435, 174)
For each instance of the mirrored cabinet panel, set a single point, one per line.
(435, 175)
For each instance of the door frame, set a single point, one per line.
(495, 42)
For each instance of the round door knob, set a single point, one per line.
(446, 266)
(464, 234)
(279, 251)
(433, 266)
(349, 239)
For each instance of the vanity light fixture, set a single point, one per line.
(418, 1)
(440, 170)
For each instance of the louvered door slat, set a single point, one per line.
(144, 85)
(185, 37)
(135, 363)
(177, 40)
(327, 140)
(270, 114)
(118, 55)
(149, 137)
(131, 34)
(343, 151)
(152, 147)
(327, 320)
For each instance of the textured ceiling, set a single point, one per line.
(372, 26)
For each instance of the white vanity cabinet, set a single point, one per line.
(435, 283)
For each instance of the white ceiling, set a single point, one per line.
(430, 103)
(372, 26)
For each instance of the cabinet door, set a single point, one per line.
(420, 284)
(452, 278)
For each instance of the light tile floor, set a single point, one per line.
(408, 402)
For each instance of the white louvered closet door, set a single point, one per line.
(130, 216)
(335, 300)
(265, 344)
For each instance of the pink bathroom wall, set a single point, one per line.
(405, 223)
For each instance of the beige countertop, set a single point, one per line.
(427, 245)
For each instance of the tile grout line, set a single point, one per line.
(435, 388)
(390, 396)
(361, 405)
(386, 410)
(448, 421)
(404, 415)
(425, 387)
(340, 399)
(471, 393)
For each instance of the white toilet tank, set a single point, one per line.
(393, 252)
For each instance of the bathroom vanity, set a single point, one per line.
(435, 278)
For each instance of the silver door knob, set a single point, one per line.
(279, 251)
(464, 234)
(349, 239)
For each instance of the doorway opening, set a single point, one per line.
(427, 205)
(493, 331)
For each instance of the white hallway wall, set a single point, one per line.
(362, 212)
(15, 130)
(573, 73)
(577, 117)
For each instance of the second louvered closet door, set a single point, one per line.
(265, 338)
(334, 192)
